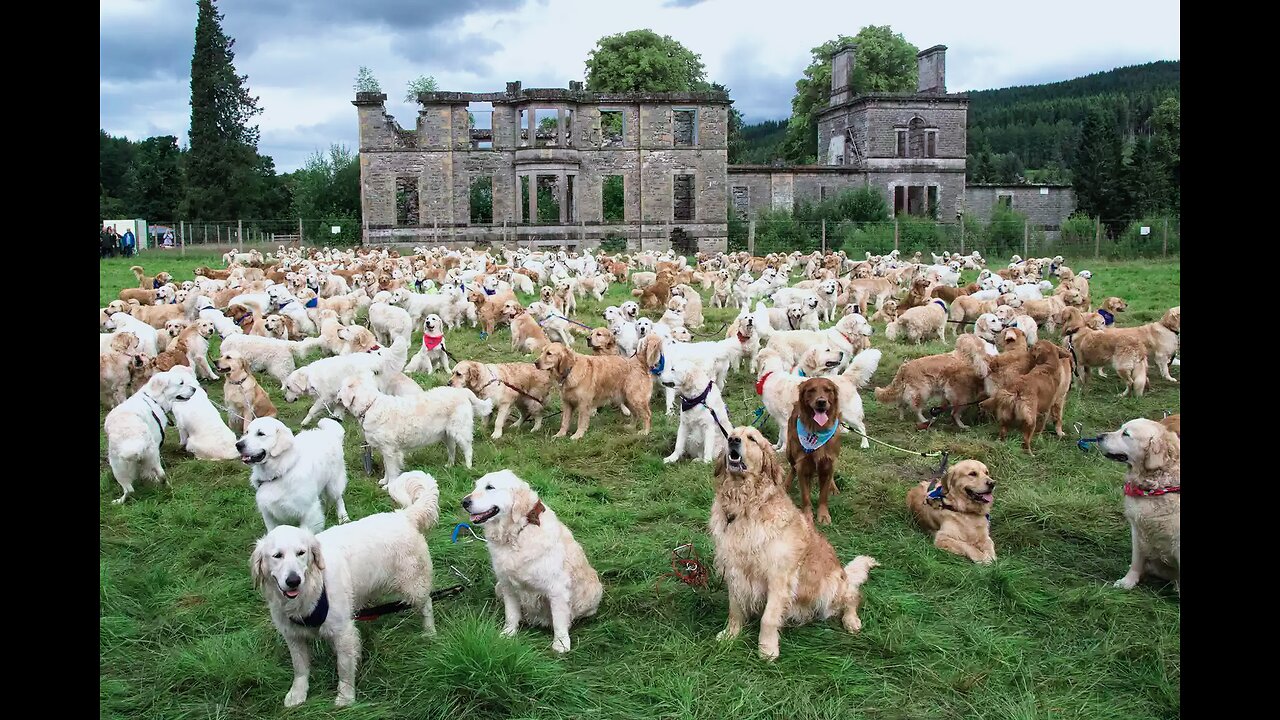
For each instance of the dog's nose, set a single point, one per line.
(240, 445)
(293, 580)
(735, 442)
(466, 502)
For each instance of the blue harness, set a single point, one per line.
(687, 404)
(317, 616)
(662, 364)
(487, 291)
(313, 302)
(1107, 317)
(811, 441)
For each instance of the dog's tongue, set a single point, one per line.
(820, 418)
(985, 497)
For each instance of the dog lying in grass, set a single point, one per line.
(774, 562)
(955, 507)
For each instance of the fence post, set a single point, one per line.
(824, 236)
(1164, 251)
(299, 232)
(895, 234)
(206, 233)
(240, 233)
(1026, 233)
(182, 236)
(1097, 236)
(961, 234)
(751, 237)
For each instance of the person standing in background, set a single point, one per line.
(128, 243)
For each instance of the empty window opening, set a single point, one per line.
(899, 199)
(548, 204)
(822, 192)
(915, 200)
(685, 128)
(407, 200)
(1006, 201)
(931, 143)
(482, 200)
(480, 125)
(523, 210)
(931, 208)
(742, 200)
(522, 132)
(682, 192)
(902, 143)
(570, 207)
(611, 128)
(613, 198)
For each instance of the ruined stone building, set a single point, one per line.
(664, 157)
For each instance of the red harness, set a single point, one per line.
(431, 342)
(1134, 491)
(761, 381)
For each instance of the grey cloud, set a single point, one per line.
(291, 148)
(438, 51)
(758, 92)
(682, 3)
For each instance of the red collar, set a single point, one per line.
(1134, 491)
(848, 339)
(761, 381)
(743, 339)
(375, 347)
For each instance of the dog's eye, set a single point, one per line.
(300, 553)
(278, 555)
(488, 487)
(1125, 433)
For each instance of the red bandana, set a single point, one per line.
(431, 342)
(761, 381)
(1134, 491)
(743, 339)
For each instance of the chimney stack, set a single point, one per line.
(842, 74)
(933, 70)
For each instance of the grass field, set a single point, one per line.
(1039, 634)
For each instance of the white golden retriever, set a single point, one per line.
(702, 433)
(315, 584)
(543, 575)
(135, 429)
(291, 471)
(396, 425)
(201, 430)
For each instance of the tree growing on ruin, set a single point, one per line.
(366, 82)
(885, 62)
(643, 61)
(421, 84)
(223, 165)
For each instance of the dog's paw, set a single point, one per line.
(344, 700)
(561, 645)
(510, 631)
(344, 518)
(296, 697)
(824, 517)
(769, 652)
(670, 459)
(727, 634)
(118, 501)
(1126, 583)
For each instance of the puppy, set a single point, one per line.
(589, 382)
(135, 430)
(290, 472)
(433, 348)
(506, 385)
(1152, 498)
(955, 508)
(813, 442)
(543, 576)
(887, 312)
(244, 397)
(775, 564)
(315, 584)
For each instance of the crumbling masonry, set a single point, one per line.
(668, 151)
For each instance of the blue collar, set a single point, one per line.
(487, 291)
(1107, 317)
(801, 371)
(317, 616)
(662, 364)
(156, 284)
(938, 497)
(941, 303)
(418, 284)
(313, 302)
(810, 441)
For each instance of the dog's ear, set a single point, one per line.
(283, 441)
(1161, 448)
(770, 468)
(523, 500)
(564, 363)
(835, 399)
(317, 556)
(258, 564)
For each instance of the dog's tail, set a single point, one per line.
(1140, 374)
(331, 425)
(857, 571)
(894, 390)
(1023, 405)
(637, 293)
(482, 407)
(300, 348)
(891, 331)
(863, 367)
(419, 496)
(137, 272)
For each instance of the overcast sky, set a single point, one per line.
(302, 56)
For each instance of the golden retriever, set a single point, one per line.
(949, 376)
(591, 381)
(813, 442)
(955, 509)
(507, 385)
(774, 562)
(1152, 498)
(1091, 348)
(1027, 400)
(526, 334)
(244, 397)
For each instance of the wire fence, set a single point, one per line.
(1077, 237)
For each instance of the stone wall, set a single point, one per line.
(1047, 206)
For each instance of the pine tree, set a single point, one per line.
(1098, 166)
(223, 164)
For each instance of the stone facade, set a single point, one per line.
(670, 145)
(671, 152)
